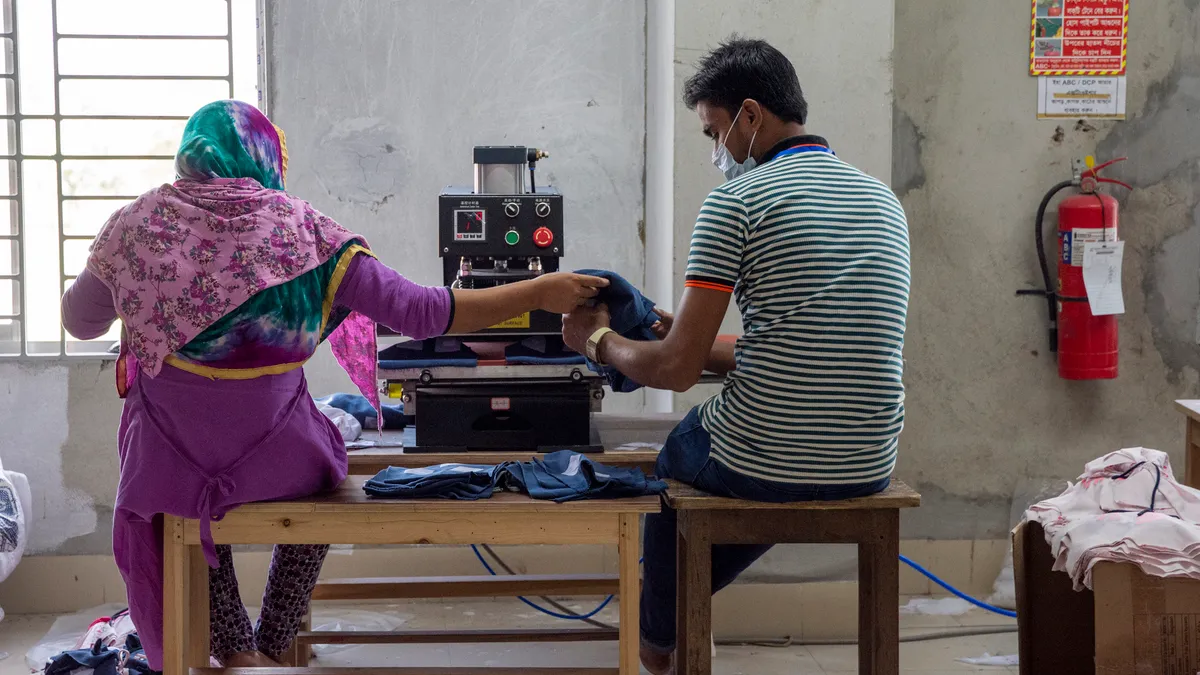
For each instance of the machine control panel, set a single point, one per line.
(486, 240)
(500, 225)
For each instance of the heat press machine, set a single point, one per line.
(499, 231)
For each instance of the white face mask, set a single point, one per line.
(723, 159)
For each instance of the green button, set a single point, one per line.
(512, 237)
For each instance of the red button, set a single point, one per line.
(543, 237)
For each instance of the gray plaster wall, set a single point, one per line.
(383, 100)
(842, 52)
(988, 416)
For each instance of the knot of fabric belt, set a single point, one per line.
(223, 485)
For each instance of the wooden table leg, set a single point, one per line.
(198, 647)
(879, 595)
(693, 599)
(628, 553)
(175, 597)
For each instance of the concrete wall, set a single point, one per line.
(987, 414)
(382, 102)
(842, 53)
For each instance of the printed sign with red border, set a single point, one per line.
(1079, 37)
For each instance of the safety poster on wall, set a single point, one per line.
(1079, 37)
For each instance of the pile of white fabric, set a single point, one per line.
(346, 423)
(1127, 507)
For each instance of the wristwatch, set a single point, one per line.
(593, 345)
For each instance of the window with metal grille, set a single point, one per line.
(95, 97)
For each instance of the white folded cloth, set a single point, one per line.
(1127, 507)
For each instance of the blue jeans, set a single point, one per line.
(686, 457)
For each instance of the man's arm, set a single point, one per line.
(675, 362)
(721, 359)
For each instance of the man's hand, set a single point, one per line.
(562, 292)
(581, 323)
(662, 327)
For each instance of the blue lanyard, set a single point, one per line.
(808, 147)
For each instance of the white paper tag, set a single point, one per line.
(1102, 277)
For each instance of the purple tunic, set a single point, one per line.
(194, 447)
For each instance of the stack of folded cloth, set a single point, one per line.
(1127, 507)
(446, 481)
(562, 476)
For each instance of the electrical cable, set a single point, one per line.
(549, 601)
(543, 610)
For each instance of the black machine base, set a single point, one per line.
(525, 416)
(451, 449)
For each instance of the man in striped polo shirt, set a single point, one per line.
(816, 254)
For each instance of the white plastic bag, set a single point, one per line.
(14, 519)
(346, 424)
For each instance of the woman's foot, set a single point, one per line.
(655, 662)
(252, 659)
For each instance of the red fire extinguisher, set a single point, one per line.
(1086, 344)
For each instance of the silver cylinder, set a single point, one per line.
(499, 179)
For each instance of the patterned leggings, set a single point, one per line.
(290, 581)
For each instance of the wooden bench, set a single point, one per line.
(871, 522)
(348, 516)
(370, 462)
(1191, 444)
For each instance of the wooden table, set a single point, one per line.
(873, 523)
(348, 516)
(1191, 446)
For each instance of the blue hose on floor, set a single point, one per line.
(978, 603)
(905, 559)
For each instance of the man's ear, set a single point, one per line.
(753, 112)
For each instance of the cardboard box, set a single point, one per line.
(1128, 624)
(1055, 624)
(1145, 625)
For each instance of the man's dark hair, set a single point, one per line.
(740, 69)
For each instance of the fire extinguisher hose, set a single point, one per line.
(1051, 309)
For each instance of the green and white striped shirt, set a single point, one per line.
(816, 253)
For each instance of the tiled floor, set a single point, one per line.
(936, 657)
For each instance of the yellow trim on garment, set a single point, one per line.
(231, 373)
(335, 281)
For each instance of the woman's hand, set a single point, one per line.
(562, 292)
(663, 326)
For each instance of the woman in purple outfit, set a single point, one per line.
(225, 285)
